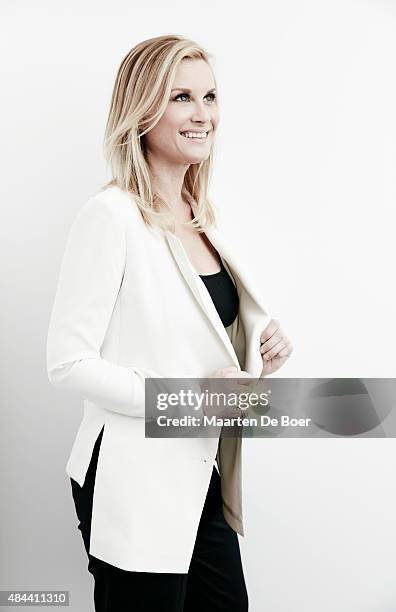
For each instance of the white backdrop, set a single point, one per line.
(305, 184)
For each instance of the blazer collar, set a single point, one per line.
(199, 290)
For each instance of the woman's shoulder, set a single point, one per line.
(106, 213)
(113, 201)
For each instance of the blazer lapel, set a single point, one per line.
(247, 284)
(253, 315)
(250, 315)
(200, 292)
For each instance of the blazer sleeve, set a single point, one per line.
(90, 278)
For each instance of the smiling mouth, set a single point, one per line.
(201, 136)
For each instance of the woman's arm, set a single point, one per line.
(89, 281)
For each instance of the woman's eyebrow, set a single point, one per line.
(189, 90)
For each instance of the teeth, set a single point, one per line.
(194, 135)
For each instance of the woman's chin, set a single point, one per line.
(196, 158)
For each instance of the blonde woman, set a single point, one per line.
(148, 287)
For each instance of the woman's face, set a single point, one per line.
(195, 110)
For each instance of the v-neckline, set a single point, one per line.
(214, 273)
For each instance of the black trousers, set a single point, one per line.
(214, 582)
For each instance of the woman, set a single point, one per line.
(148, 288)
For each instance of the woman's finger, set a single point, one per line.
(271, 328)
(279, 335)
(287, 351)
(275, 349)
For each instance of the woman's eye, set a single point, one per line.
(187, 96)
(181, 95)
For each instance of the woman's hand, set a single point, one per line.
(275, 348)
(227, 387)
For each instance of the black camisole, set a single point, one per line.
(223, 293)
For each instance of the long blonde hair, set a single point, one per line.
(139, 99)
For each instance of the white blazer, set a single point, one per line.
(130, 305)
